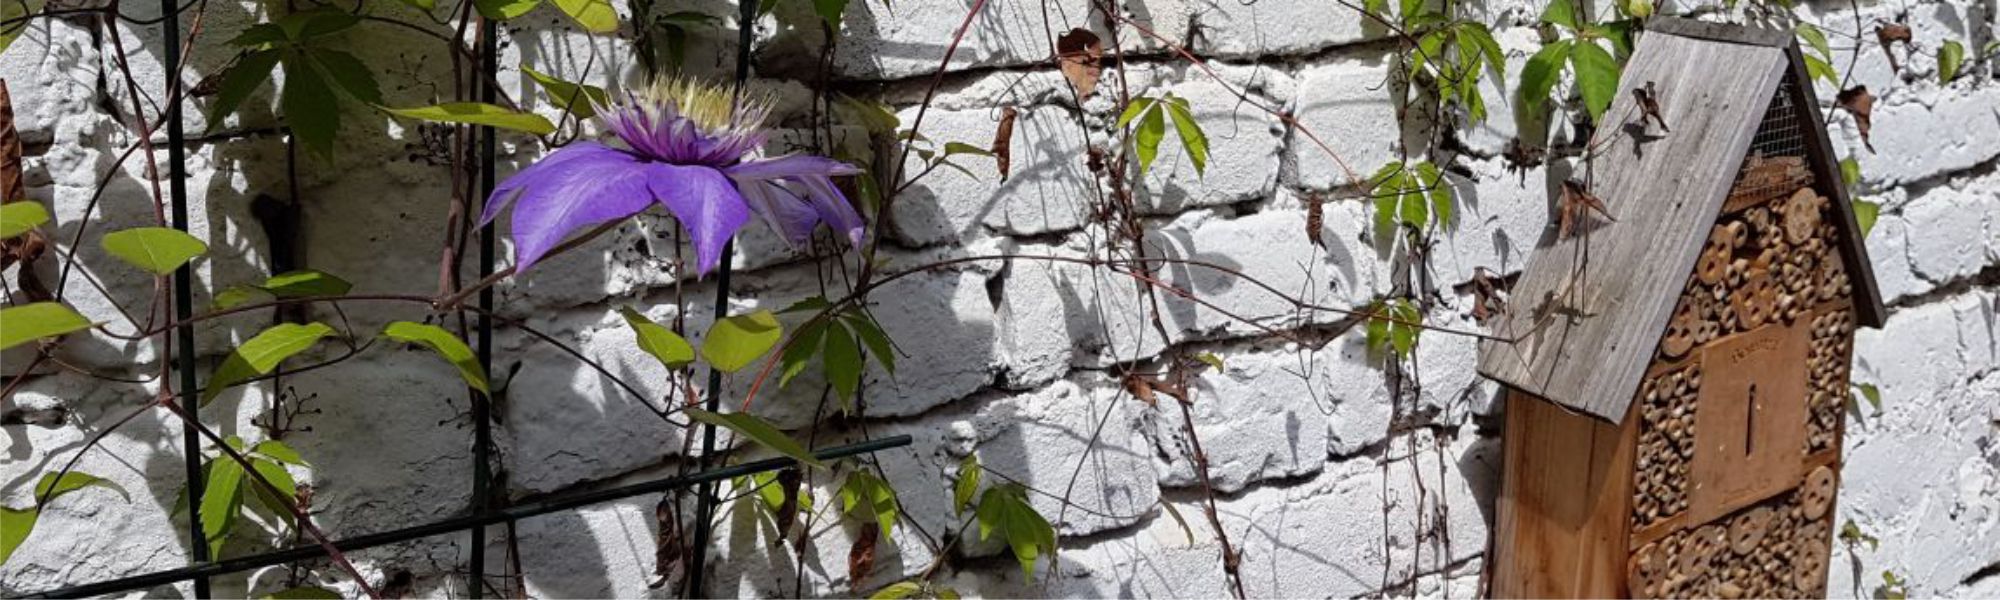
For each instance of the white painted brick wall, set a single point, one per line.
(1005, 360)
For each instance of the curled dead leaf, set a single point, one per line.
(1577, 204)
(1080, 55)
(788, 481)
(1315, 219)
(1861, 104)
(1003, 141)
(667, 545)
(1888, 34)
(861, 558)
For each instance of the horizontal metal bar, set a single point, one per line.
(513, 513)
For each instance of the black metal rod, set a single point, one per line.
(705, 499)
(482, 429)
(183, 337)
(512, 513)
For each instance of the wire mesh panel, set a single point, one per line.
(1776, 163)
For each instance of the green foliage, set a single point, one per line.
(1450, 57)
(596, 16)
(898, 591)
(158, 250)
(1394, 325)
(14, 15)
(1415, 195)
(669, 348)
(262, 353)
(967, 483)
(735, 342)
(316, 74)
(759, 431)
(302, 283)
(1865, 214)
(1594, 69)
(830, 11)
(1852, 535)
(226, 485)
(579, 99)
(1819, 64)
(446, 345)
(838, 339)
(17, 523)
(479, 113)
(1870, 393)
(1893, 587)
(1950, 57)
(17, 218)
(934, 157)
(868, 498)
(502, 10)
(1005, 509)
(37, 320)
(1152, 115)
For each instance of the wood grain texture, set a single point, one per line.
(1721, 32)
(1564, 503)
(1589, 310)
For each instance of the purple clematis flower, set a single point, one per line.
(684, 146)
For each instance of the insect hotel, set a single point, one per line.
(1678, 366)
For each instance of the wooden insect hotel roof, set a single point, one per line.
(1589, 311)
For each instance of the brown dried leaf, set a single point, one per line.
(1577, 204)
(1003, 141)
(1649, 104)
(1141, 388)
(861, 558)
(1080, 54)
(28, 247)
(667, 545)
(1486, 290)
(1315, 219)
(1858, 101)
(1888, 34)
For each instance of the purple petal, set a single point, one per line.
(833, 208)
(706, 204)
(578, 186)
(796, 165)
(782, 209)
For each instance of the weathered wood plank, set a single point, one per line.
(1736, 34)
(1589, 311)
(1868, 309)
(1564, 500)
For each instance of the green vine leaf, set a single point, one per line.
(14, 13)
(446, 345)
(1146, 140)
(243, 78)
(1596, 77)
(1193, 141)
(830, 11)
(502, 10)
(1560, 12)
(871, 335)
(262, 353)
(479, 113)
(898, 591)
(1394, 325)
(278, 451)
(1005, 509)
(1432, 181)
(309, 105)
(38, 320)
(15, 523)
(967, 483)
(1865, 213)
(669, 348)
(1538, 78)
(221, 502)
(305, 283)
(158, 250)
(596, 16)
(735, 342)
(759, 431)
(17, 218)
(1950, 56)
(1872, 394)
(580, 100)
(805, 343)
(1814, 38)
(865, 496)
(51, 486)
(347, 73)
(843, 364)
